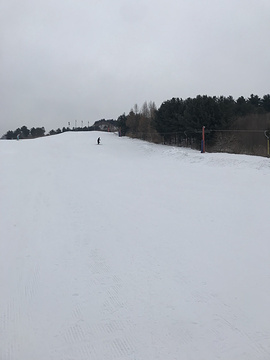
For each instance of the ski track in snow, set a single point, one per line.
(132, 250)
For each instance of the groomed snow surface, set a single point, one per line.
(131, 250)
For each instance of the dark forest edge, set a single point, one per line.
(235, 126)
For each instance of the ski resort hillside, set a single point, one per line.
(129, 250)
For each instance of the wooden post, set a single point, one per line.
(203, 141)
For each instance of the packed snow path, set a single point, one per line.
(130, 250)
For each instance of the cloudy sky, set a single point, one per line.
(67, 60)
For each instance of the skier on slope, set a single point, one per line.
(98, 140)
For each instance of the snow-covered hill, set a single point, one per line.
(131, 250)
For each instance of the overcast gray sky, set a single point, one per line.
(67, 60)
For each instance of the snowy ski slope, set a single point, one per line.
(131, 250)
